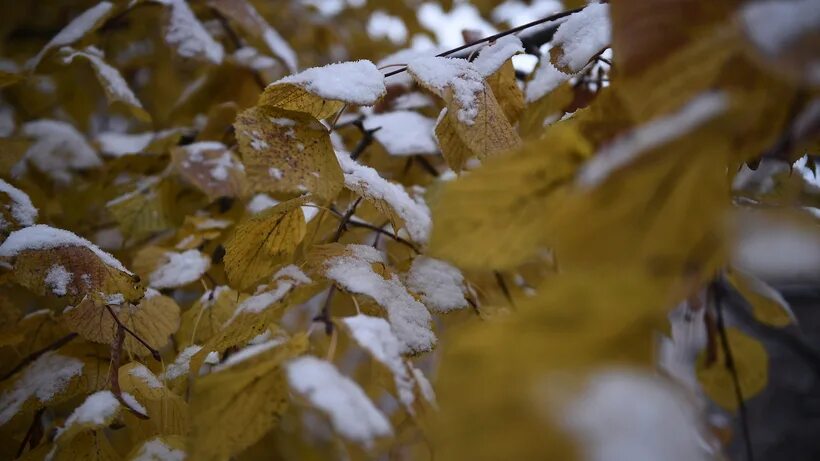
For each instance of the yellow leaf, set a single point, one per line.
(88, 446)
(751, 363)
(263, 242)
(212, 168)
(507, 92)
(288, 152)
(9, 78)
(292, 97)
(500, 207)
(154, 319)
(167, 412)
(768, 305)
(207, 315)
(145, 210)
(249, 392)
(97, 411)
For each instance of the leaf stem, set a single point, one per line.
(154, 352)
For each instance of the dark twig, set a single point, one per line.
(154, 352)
(364, 225)
(426, 166)
(729, 363)
(36, 354)
(31, 437)
(114, 372)
(494, 37)
(367, 138)
(345, 219)
(499, 277)
(324, 315)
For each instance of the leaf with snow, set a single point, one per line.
(179, 269)
(580, 37)
(211, 167)
(162, 448)
(403, 132)
(88, 21)
(263, 242)
(37, 249)
(473, 118)
(286, 151)
(167, 412)
(376, 337)
(322, 91)
(46, 380)
(251, 394)
(352, 268)
(351, 413)
(389, 198)
(244, 14)
(439, 285)
(58, 149)
(154, 319)
(16, 209)
(206, 316)
(115, 87)
(98, 410)
(188, 36)
(767, 304)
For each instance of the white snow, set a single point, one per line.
(517, 12)
(261, 202)
(678, 355)
(212, 155)
(156, 450)
(583, 35)
(412, 100)
(383, 25)
(546, 78)
(354, 82)
(280, 48)
(655, 133)
(425, 387)
(366, 181)
(286, 279)
(248, 352)
(251, 58)
(188, 35)
(75, 30)
(403, 132)
(458, 75)
(133, 403)
(20, 208)
(142, 373)
(408, 318)
(119, 144)
(112, 80)
(774, 25)
(351, 413)
(43, 237)
(448, 26)
(97, 409)
(375, 335)
(623, 415)
(182, 364)
(180, 269)
(493, 56)
(58, 148)
(43, 379)
(439, 285)
(57, 279)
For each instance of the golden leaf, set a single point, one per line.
(167, 412)
(507, 92)
(145, 210)
(287, 151)
(211, 167)
(288, 96)
(768, 305)
(154, 319)
(263, 242)
(751, 363)
(252, 394)
(205, 318)
(9, 78)
(88, 446)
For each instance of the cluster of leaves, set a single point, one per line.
(295, 250)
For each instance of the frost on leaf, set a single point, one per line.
(263, 242)
(474, 119)
(244, 14)
(178, 269)
(153, 319)
(37, 249)
(81, 25)
(403, 132)
(352, 267)
(211, 167)
(492, 57)
(16, 209)
(322, 91)
(286, 151)
(251, 393)
(583, 35)
(99, 409)
(351, 413)
(377, 338)
(43, 380)
(58, 149)
(188, 35)
(115, 87)
(439, 285)
(389, 198)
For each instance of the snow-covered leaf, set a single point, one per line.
(211, 167)
(580, 37)
(439, 285)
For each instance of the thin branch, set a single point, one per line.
(499, 277)
(154, 352)
(30, 438)
(364, 225)
(365, 141)
(345, 219)
(324, 315)
(494, 37)
(36, 354)
(426, 165)
(114, 372)
(729, 363)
